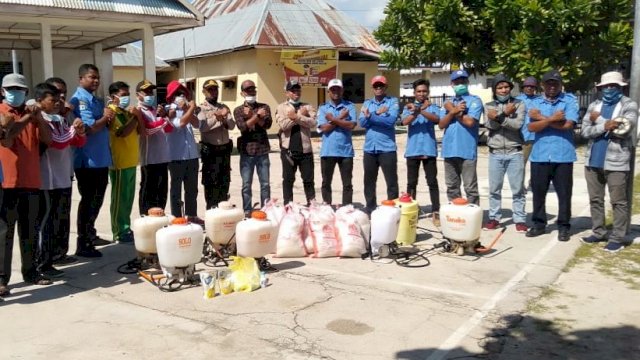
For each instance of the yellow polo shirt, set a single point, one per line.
(124, 150)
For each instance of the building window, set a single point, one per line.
(353, 87)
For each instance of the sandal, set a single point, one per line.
(40, 280)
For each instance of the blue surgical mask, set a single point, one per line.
(149, 100)
(503, 98)
(124, 102)
(292, 102)
(15, 98)
(461, 89)
(611, 96)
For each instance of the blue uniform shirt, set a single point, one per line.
(421, 140)
(526, 134)
(380, 135)
(459, 140)
(96, 152)
(553, 145)
(337, 142)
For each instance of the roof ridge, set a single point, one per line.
(256, 34)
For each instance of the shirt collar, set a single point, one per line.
(82, 91)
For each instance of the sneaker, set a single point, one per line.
(89, 252)
(491, 225)
(98, 241)
(592, 239)
(127, 238)
(53, 272)
(435, 218)
(521, 227)
(613, 247)
(4, 291)
(65, 260)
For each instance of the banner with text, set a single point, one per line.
(312, 68)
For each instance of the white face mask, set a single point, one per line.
(250, 99)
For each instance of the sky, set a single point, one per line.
(367, 12)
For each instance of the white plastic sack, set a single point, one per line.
(291, 234)
(275, 210)
(350, 237)
(322, 231)
(360, 218)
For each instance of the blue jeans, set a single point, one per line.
(513, 166)
(247, 165)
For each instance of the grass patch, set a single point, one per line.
(535, 306)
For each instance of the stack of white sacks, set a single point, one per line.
(318, 230)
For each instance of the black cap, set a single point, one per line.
(292, 84)
(144, 85)
(552, 75)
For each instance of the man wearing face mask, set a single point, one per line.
(25, 129)
(216, 147)
(154, 149)
(610, 125)
(184, 165)
(296, 119)
(253, 120)
(505, 118)
(461, 120)
(123, 135)
(552, 118)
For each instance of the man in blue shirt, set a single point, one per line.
(336, 120)
(378, 117)
(92, 161)
(421, 117)
(461, 120)
(552, 118)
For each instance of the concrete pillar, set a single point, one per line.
(46, 49)
(148, 54)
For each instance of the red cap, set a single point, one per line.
(379, 79)
(173, 87)
(406, 198)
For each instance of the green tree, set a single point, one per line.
(520, 38)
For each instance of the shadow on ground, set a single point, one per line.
(527, 337)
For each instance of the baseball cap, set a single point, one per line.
(459, 74)
(144, 85)
(210, 83)
(552, 75)
(379, 79)
(292, 84)
(333, 83)
(530, 81)
(14, 80)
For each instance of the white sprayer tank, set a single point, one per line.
(220, 223)
(461, 221)
(257, 236)
(385, 221)
(179, 244)
(145, 228)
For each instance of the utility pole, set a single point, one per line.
(634, 93)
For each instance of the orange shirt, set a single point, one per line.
(21, 162)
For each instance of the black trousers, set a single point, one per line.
(216, 172)
(389, 164)
(19, 206)
(290, 163)
(54, 221)
(430, 167)
(92, 185)
(561, 174)
(327, 166)
(154, 187)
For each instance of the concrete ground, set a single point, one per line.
(313, 308)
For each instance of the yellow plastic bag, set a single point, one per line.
(245, 274)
